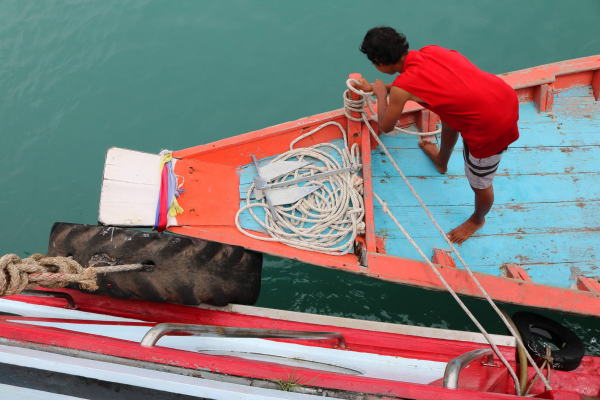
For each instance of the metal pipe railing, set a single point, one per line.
(457, 364)
(165, 329)
(48, 293)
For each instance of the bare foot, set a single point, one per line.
(432, 152)
(463, 232)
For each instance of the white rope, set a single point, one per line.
(327, 220)
(358, 108)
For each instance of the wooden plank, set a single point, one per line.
(540, 97)
(493, 251)
(515, 161)
(542, 130)
(503, 219)
(515, 271)
(130, 188)
(132, 166)
(588, 284)
(442, 191)
(367, 174)
(127, 204)
(580, 91)
(547, 73)
(443, 257)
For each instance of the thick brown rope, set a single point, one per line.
(18, 274)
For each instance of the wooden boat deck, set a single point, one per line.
(544, 220)
(545, 217)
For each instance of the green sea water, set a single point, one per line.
(77, 77)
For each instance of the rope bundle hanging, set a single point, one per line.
(358, 106)
(18, 274)
(327, 220)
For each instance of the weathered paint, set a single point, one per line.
(446, 350)
(596, 84)
(99, 337)
(443, 257)
(127, 375)
(546, 212)
(367, 174)
(105, 308)
(588, 284)
(502, 289)
(567, 122)
(515, 271)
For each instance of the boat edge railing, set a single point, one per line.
(49, 293)
(164, 329)
(456, 365)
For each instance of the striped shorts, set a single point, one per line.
(480, 171)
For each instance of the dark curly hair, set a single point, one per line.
(384, 45)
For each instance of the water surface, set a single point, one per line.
(77, 77)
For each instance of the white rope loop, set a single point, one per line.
(367, 99)
(327, 220)
(363, 113)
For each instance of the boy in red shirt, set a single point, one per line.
(479, 105)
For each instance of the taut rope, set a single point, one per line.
(18, 274)
(358, 106)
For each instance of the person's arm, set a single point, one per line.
(389, 114)
(365, 86)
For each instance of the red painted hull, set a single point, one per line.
(476, 382)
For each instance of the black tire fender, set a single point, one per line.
(570, 350)
(183, 270)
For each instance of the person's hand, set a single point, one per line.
(363, 85)
(379, 88)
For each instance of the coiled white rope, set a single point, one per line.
(327, 220)
(357, 107)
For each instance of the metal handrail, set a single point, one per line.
(457, 364)
(160, 330)
(48, 293)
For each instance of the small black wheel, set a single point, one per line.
(570, 350)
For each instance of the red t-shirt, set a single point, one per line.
(479, 105)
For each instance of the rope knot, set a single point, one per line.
(18, 274)
(386, 210)
(358, 184)
(548, 357)
(361, 228)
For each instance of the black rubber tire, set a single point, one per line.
(570, 347)
(183, 270)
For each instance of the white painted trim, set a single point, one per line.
(39, 311)
(290, 355)
(140, 377)
(410, 330)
